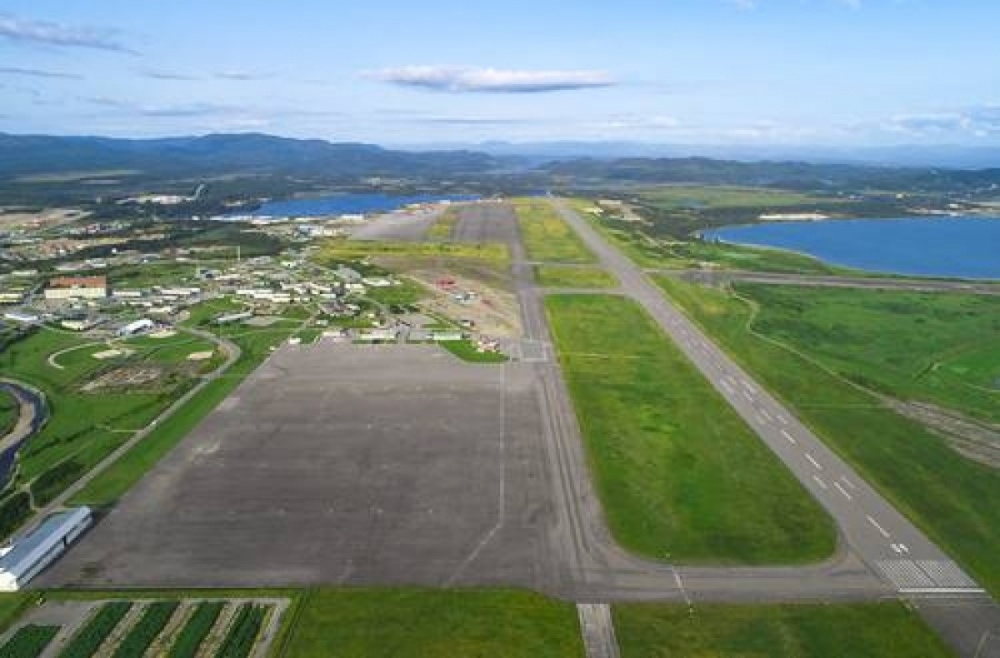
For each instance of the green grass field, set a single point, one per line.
(952, 498)
(940, 348)
(883, 630)
(551, 276)
(466, 351)
(405, 623)
(546, 236)
(704, 197)
(680, 475)
(9, 411)
(84, 426)
(255, 345)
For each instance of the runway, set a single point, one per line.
(875, 537)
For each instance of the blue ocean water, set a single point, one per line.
(346, 204)
(961, 247)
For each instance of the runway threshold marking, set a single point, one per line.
(842, 490)
(782, 419)
(791, 439)
(763, 412)
(850, 485)
(812, 460)
(725, 385)
(819, 481)
(882, 531)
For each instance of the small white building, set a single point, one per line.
(30, 553)
(133, 328)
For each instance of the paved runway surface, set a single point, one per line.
(397, 227)
(871, 529)
(713, 277)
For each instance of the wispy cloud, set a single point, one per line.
(459, 80)
(38, 73)
(979, 121)
(167, 75)
(240, 76)
(58, 34)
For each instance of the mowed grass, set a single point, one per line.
(547, 238)
(552, 276)
(680, 475)
(952, 498)
(877, 630)
(405, 623)
(936, 347)
(704, 197)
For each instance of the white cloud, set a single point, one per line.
(436, 78)
(57, 34)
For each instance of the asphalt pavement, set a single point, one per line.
(875, 538)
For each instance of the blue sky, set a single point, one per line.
(810, 72)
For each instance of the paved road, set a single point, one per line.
(871, 530)
(914, 285)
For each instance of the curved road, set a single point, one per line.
(881, 552)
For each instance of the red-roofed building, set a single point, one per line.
(77, 287)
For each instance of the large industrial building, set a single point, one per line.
(29, 554)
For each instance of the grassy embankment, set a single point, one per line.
(547, 238)
(9, 411)
(939, 348)
(255, 344)
(86, 425)
(681, 477)
(952, 498)
(882, 630)
(427, 623)
(550, 276)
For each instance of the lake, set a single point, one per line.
(960, 247)
(350, 204)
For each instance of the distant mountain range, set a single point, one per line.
(261, 155)
(945, 156)
(22, 155)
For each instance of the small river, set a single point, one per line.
(8, 454)
(951, 247)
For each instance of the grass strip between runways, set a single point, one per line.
(679, 473)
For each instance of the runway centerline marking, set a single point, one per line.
(812, 460)
(882, 531)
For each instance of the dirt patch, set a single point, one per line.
(484, 308)
(127, 378)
